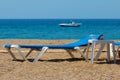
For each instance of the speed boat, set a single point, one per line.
(72, 24)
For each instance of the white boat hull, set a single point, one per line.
(70, 25)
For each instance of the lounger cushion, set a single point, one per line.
(82, 42)
(117, 43)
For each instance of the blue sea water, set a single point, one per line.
(49, 28)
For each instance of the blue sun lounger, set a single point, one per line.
(118, 45)
(43, 48)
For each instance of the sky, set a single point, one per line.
(63, 9)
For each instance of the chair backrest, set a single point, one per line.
(101, 37)
(84, 41)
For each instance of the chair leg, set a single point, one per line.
(93, 49)
(114, 54)
(108, 54)
(21, 53)
(29, 53)
(11, 53)
(100, 50)
(79, 50)
(70, 53)
(85, 50)
(44, 49)
(86, 58)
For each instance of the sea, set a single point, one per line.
(49, 29)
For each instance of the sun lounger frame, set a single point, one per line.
(42, 51)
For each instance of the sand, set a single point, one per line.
(55, 65)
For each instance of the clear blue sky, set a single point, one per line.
(83, 9)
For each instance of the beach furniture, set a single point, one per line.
(117, 44)
(110, 49)
(78, 45)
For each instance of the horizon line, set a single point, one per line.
(58, 18)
